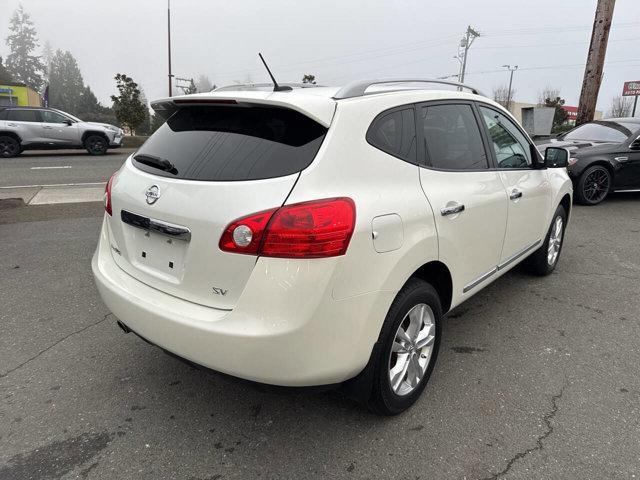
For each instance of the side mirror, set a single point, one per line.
(68, 123)
(635, 145)
(556, 157)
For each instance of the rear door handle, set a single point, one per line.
(515, 194)
(46, 127)
(452, 209)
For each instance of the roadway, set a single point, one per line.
(63, 167)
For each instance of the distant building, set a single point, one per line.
(19, 94)
(572, 112)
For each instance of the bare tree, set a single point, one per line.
(547, 94)
(501, 95)
(620, 106)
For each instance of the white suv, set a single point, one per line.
(36, 128)
(317, 236)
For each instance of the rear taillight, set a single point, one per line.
(316, 229)
(107, 195)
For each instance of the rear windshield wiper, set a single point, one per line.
(156, 162)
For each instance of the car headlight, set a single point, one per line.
(112, 128)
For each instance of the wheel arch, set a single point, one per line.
(438, 275)
(89, 133)
(566, 204)
(8, 133)
(603, 163)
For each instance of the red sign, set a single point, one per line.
(631, 88)
(572, 112)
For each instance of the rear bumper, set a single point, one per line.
(286, 328)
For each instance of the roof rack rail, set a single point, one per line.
(357, 88)
(256, 86)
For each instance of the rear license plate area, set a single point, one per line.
(157, 254)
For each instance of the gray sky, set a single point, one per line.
(337, 41)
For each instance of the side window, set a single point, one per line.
(511, 146)
(52, 117)
(395, 133)
(23, 116)
(451, 137)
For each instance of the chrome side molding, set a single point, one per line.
(503, 265)
(517, 255)
(479, 280)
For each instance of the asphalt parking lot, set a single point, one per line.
(536, 378)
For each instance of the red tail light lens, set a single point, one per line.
(107, 195)
(256, 223)
(316, 229)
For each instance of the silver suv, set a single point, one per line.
(33, 128)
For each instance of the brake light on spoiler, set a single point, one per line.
(315, 229)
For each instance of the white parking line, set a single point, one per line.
(50, 168)
(54, 185)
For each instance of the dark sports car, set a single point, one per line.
(605, 157)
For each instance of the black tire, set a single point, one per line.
(9, 147)
(593, 185)
(96, 145)
(540, 262)
(377, 392)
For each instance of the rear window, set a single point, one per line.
(232, 143)
(599, 132)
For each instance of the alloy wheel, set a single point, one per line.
(97, 146)
(555, 241)
(412, 349)
(8, 148)
(596, 185)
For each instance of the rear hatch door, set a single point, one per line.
(205, 167)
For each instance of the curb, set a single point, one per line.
(53, 194)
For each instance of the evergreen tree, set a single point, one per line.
(66, 86)
(127, 106)
(307, 78)
(203, 84)
(22, 40)
(5, 76)
(145, 126)
(47, 58)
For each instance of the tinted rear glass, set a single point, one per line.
(23, 116)
(599, 132)
(233, 143)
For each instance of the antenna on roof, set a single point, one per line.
(276, 87)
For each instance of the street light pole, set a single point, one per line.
(511, 69)
(169, 42)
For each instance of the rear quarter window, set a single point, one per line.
(229, 143)
(394, 132)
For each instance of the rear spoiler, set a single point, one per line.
(317, 108)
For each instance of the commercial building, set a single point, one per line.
(19, 94)
(572, 112)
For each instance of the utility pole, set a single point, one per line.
(511, 69)
(595, 61)
(465, 44)
(169, 43)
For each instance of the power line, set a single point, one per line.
(373, 54)
(497, 47)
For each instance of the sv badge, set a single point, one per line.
(219, 291)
